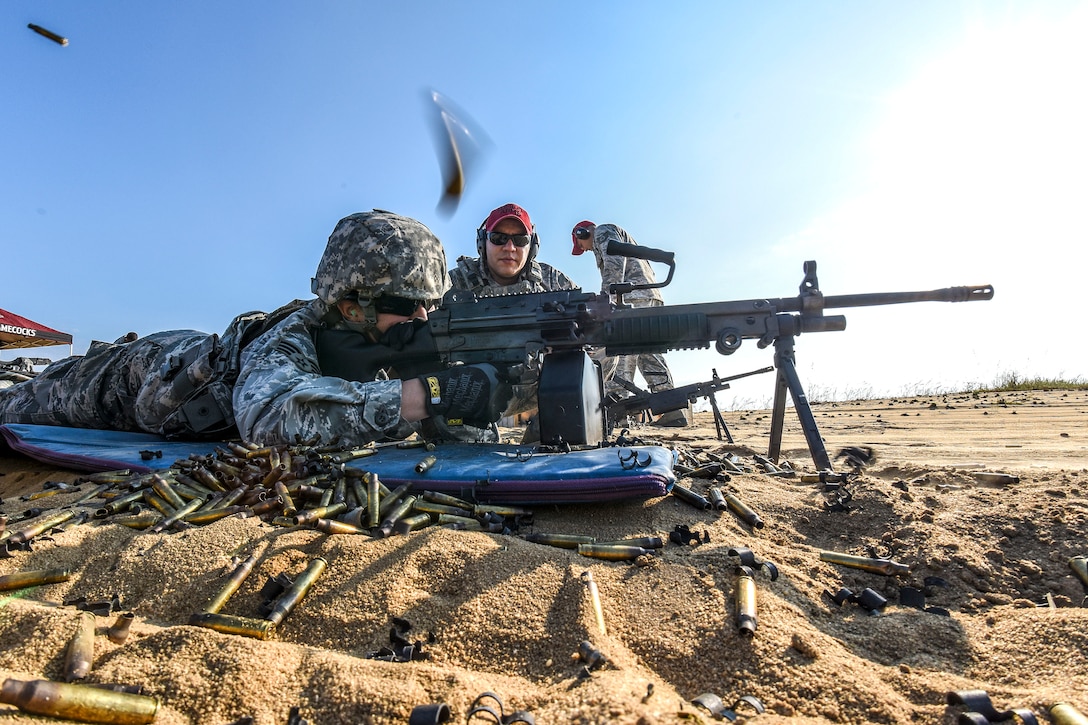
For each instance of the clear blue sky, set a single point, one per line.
(179, 163)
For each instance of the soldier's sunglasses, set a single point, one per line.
(499, 239)
(402, 305)
(581, 233)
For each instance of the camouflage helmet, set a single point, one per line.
(380, 253)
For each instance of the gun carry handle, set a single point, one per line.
(623, 249)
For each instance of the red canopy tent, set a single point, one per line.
(16, 332)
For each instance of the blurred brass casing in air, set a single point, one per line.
(79, 702)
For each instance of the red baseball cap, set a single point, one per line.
(584, 224)
(508, 211)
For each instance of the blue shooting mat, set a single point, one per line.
(489, 473)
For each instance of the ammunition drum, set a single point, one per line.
(79, 702)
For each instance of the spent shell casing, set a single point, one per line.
(392, 499)
(289, 508)
(237, 576)
(563, 541)
(395, 514)
(1079, 565)
(231, 624)
(425, 465)
(412, 444)
(177, 516)
(118, 631)
(331, 526)
(163, 487)
(746, 602)
(877, 566)
(138, 520)
(717, 499)
(119, 476)
(26, 533)
(742, 511)
(158, 503)
(354, 454)
(412, 523)
(206, 516)
(447, 499)
(431, 507)
(612, 552)
(33, 578)
(595, 601)
(373, 501)
(482, 509)
(118, 504)
(80, 652)
(646, 542)
(308, 516)
(294, 594)
(464, 523)
(78, 702)
(688, 496)
(1062, 713)
(1002, 479)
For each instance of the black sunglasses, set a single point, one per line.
(499, 239)
(581, 233)
(402, 305)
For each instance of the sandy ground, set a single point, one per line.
(997, 606)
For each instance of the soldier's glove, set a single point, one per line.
(472, 394)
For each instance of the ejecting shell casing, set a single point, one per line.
(1062, 713)
(688, 496)
(425, 465)
(237, 576)
(118, 631)
(79, 702)
(742, 511)
(612, 552)
(33, 578)
(290, 598)
(1079, 565)
(746, 602)
(80, 653)
(231, 624)
(563, 541)
(877, 566)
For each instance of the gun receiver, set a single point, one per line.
(537, 331)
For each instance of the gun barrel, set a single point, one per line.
(945, 294)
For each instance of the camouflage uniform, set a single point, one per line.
(615, 268)
(471, 273)
(262, 375)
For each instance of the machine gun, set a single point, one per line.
(664, 401)
(548, 334)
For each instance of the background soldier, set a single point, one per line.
(614, 268)
(263, 378)
(507, 244)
